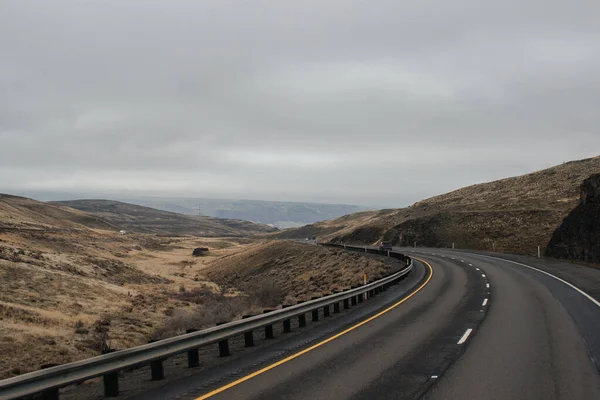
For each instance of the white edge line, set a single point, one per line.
(465, 336)
(549, 274)
(484, 302)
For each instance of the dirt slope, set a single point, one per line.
(149, 220)
(512, 215)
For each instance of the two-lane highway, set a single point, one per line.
(397, 352)
(469, 327)
(527, 348)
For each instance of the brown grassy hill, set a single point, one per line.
(65, 289)
(299, 270)
(22, 212)
(149, 220)
(512, 215)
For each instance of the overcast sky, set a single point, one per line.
(363, 102)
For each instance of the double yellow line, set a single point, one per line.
(296, 355)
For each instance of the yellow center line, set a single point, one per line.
(296, 355)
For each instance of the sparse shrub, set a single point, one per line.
(101, 326)
(199, 251)
(80, 328)
(267, 294)
(169, 311)
(181, 289)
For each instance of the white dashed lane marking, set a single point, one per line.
(465, 336)
(484, 302)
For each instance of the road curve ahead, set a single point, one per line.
(529, 346)
(476, 328)
(396, 351)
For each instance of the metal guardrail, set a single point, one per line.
(49, 380)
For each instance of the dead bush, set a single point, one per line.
(266, 293)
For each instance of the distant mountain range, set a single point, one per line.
(280, 214)
(276, 213)
(142, 219)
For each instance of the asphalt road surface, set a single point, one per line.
(476, 327)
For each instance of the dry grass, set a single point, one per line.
(512, 215)
(67, 290)
(302, 271)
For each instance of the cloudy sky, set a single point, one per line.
(367, 102)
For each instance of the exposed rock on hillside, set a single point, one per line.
(578, 237)
(590, 190)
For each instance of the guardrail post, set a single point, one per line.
(360, 297)
(315, 314)
(110, 380)
(193, 357)
(248, 339)
(353, 300)
(156, 368)
(287, 324)
(50, 394)
(336, 308)
(223, 345)
(302, 320)
(301, 317)
(248, 336)
(326, 311)
(346, 304)
(268, 328)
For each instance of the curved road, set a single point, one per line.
(474, 328)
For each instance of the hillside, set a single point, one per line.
(290, 267)
(512, 215)
(19, 212)
(281, 214)
(141, 219)
(67, 290)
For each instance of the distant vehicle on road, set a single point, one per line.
(385, 246)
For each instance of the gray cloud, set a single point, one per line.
(344, 101)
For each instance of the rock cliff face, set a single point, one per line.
(578, 237)
(590, 190)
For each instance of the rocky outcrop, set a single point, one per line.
(590, 190)
(578, 237)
